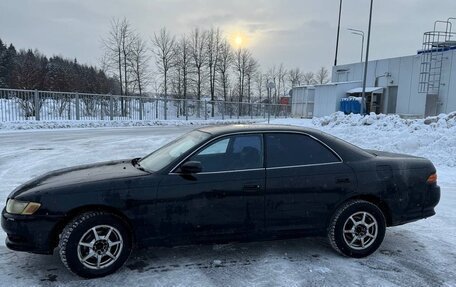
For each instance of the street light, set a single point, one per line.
(367, 58)
(360, 33)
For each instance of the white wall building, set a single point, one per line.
(400, 78)
(416, 85)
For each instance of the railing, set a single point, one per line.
(22, 105)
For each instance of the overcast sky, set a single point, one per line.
(299, 33)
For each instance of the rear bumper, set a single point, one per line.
(431, 199)
(29, 233)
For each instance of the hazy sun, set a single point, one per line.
(238, 39)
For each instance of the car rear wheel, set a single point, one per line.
(357, 229)
(95, 244)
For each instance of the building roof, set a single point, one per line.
(375, 90)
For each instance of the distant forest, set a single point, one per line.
(29, 69)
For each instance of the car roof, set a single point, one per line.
(227, 129)
(345, 150)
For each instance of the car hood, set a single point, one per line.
(80, 175)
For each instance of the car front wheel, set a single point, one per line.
(95, 244)
(357, 229)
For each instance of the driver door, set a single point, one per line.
(226, 197)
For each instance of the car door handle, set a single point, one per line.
(342, 180)
(251, 187)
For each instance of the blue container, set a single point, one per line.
(355, 106)
(345, 105)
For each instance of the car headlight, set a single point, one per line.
(14, 206)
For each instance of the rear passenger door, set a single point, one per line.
(303, 179)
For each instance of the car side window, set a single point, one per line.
(218, 147)
(287, 149)
(231, 153)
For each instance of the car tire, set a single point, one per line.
(357, 229)
(95, 244)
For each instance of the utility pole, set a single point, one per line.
(367, 59)
(338, 32)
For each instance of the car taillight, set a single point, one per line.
(432, 178)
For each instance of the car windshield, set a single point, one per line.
(170, 152)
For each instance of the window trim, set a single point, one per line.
(263, 134)
(302, 165)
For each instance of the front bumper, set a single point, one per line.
(30, 233)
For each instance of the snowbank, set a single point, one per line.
(386, 122)
(433, 137)
(27, 125)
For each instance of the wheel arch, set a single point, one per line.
(54, 240)
(377, 201)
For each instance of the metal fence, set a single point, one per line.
(22, 105)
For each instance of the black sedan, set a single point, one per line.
(218, 184)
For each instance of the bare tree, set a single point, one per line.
(241, 65)
(308, 78)
(295, 77)
(322, 76)
(241, 59)
(213, 55)
(164, 52)
(127, 38)
(138, 63)
(113, 50)
(260, 84)
(252, 67)
(223, 66)
(183, 65)
(198, 53)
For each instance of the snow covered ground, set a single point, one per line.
(64, 124)
(417, 254)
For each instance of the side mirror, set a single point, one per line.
(191, 167)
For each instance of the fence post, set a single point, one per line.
(223, 110)
(111, 108)
(141, 107)
(37, 105)
(269, 112)
(166, 108)
(78, 115)
(205, 109)
(100, 98)
(186, 109)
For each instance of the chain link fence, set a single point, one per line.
(23, 105)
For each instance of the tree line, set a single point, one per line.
(197, 64)
(30, 69)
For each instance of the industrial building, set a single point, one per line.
(415, 86)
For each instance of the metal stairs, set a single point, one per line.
(435, 43)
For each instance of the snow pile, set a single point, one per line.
(28, 125)
(433, 138)
(386, 122)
